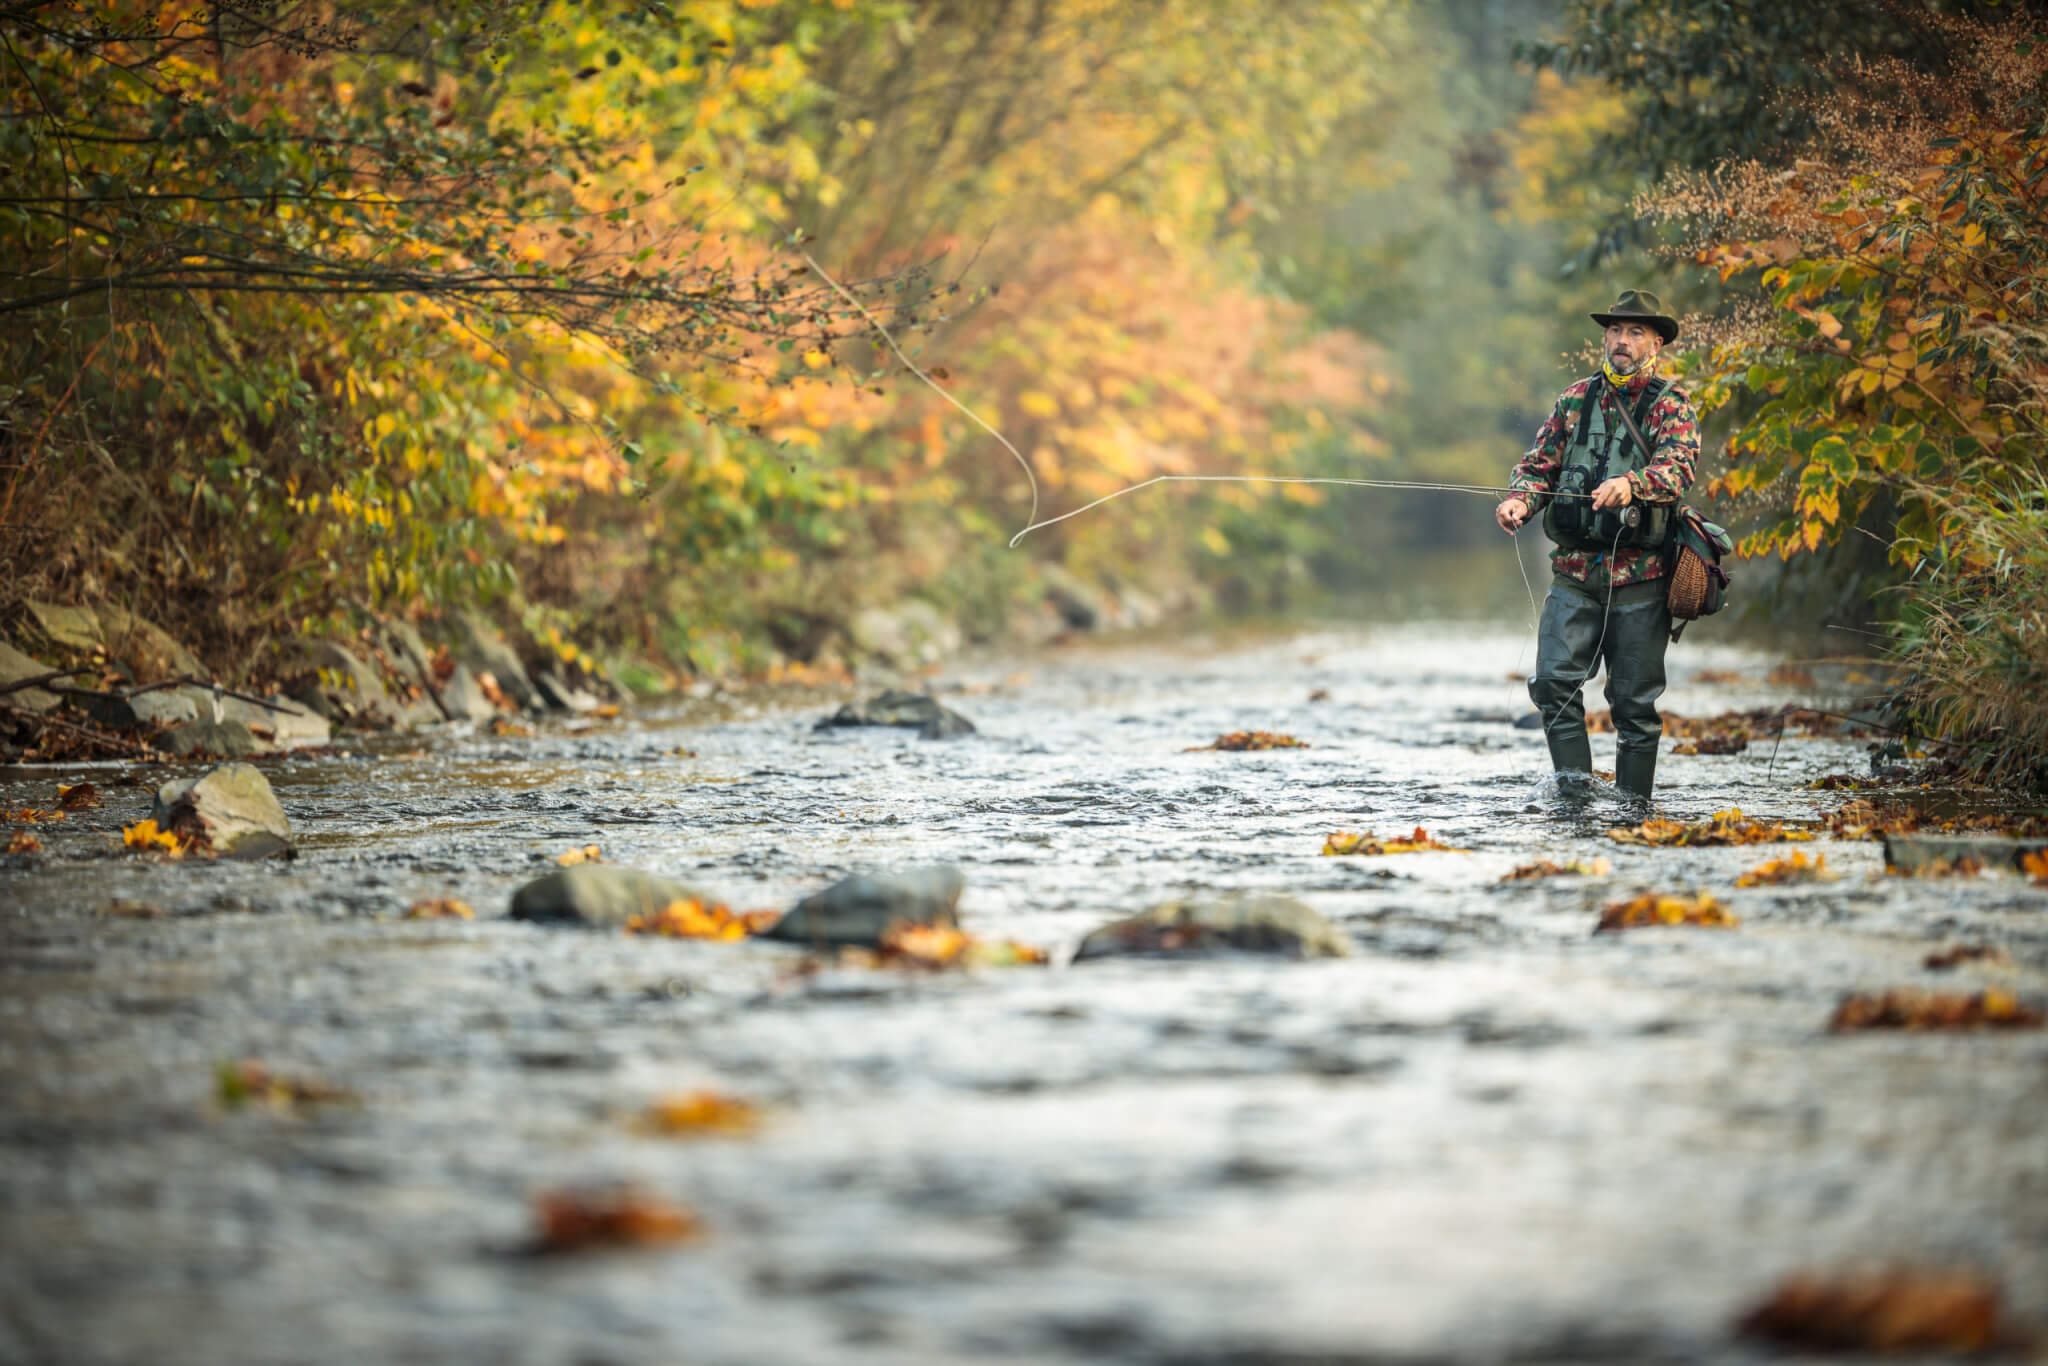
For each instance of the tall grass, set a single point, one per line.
(1975, 632)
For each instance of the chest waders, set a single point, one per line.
(1626, 627)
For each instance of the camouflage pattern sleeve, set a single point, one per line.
(1675, 439)
(1536, 472)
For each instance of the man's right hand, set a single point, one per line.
(1511, 513)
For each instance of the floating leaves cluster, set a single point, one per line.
(249, 1082)
(1886, 1311)
(1944, 960)
(1345, 842)
(1251, 740)
(702, 1113)
(1933, 1010)
(1795, 867)
(145, 837)
(1725, 827)
(588, 1221)
(1656, 909)
(692, 919)
(440, 908)
(1530, 872)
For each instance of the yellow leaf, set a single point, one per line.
(589, 853)
(1830, 325)
(1038, 403)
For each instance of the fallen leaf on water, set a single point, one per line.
(702, 1112)
(606, 711)
(692, 919)
(585, 1221)
(1843, 782)
(1909, 1009)
(1654, 909)
(1721, 742)
(1791, 675)
(24, 843)
(589, 853)
(440, 908)
(680, 753)
(242, 1083)
(145, 837)
(1598, 867)
(1251, 739)
(943, 946)
(1319, 695)
(1958, 954)
(133, 910)
(1899, 1310)
(77, 796)
(31, 815)
(2035, 866)
(1795, 867)
(1720, 676)
(1345, 842)
(1725, 827)
(501, 725)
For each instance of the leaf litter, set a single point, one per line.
(249, 1082)
(1945, 960)
(440, 908)
(692, 919)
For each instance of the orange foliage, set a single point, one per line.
(702, 1112)
(1543, 868)
(691, 919)
(440, 908)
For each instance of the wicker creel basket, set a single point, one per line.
(1688, 593)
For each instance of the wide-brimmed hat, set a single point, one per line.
(1640, 306)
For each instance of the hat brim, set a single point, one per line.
(1667, 328)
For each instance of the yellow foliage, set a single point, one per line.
(1345, 842)
(702, 1113)
(1653, 909)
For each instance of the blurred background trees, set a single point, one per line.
(320, 311)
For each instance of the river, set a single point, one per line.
(1486, 1135)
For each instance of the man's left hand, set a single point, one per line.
(1614, 493)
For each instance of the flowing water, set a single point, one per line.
(1486, 1135)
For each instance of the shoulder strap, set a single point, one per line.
(1594, 391)
(1652, 391)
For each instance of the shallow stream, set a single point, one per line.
(1487, 1135)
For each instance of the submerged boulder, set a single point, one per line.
(1247, 922)
(857, 909)
(598, 894)
(894, 707)
(230, 807)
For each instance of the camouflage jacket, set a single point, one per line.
(1674, 437)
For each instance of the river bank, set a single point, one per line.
(1484, 1134)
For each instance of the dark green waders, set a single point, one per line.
(1569, 640)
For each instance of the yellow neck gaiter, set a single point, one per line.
(1621, 381)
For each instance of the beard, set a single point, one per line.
(1623, 363)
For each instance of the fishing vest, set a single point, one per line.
(1600, 449)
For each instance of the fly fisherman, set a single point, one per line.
(1606, 599)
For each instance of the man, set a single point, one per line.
(1606, 599)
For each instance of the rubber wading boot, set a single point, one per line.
(1635, 772)
(1570, 751)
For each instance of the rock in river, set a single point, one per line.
(895, 707)
(857, 909)
(598, 894)
(231, 807)
(1244, 922)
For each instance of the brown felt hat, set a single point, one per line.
(1640, 306)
